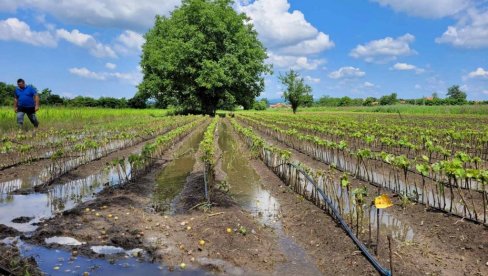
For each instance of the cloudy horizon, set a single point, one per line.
(346, 48)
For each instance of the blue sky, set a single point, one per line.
(353, 48)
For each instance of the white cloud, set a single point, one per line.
(347, 72)
(368, 84)
(312, 79)
(485, 92)
(294, 62)
(86, 41)
(129, 41)
(418, 86)
(386, 49)
(124, 14)
(478, 73)
(292, 41)
(471, 31)
(85, 73)
(426, 8)
(407, 67)
(12, 29)
(133, 78)
(110, 66)
(311, 46)
(276, 26)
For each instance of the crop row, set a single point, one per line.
(395, 136)
(445, 185)
(27, 147)
(61, 163)
(320, 188)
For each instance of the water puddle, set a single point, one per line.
(62, 262)
(248, 191)
(171, 180)
(58, 198)
(244, 183)
(63, 241)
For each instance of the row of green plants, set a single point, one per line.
(62, 162)
(154, 151)
(207, 150)
(472, 165)
(444, 185)
(22, 147)
(437, 139)
(351, 202)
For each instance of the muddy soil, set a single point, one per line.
(440, 244)
(312, 229)
(199, 239)
(12, 262)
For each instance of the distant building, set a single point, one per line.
(280, 105)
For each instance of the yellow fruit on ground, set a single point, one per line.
(229, 230)
(201, 242)
(182, 265)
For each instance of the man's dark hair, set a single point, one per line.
(20, 81)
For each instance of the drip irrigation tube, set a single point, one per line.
(376, 264)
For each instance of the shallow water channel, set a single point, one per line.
(247, 189)
(40, 206)
(171, 180)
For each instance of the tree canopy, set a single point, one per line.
(455, 93)
(204, 55)
(297, 92)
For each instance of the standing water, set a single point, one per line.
(171, 180)
(247, 189)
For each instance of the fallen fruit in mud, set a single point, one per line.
(201, 242)
(97, 214)
(104, 207)
(188, 228)
(110, 216)
(182, 265)
(229, 230)
(104, 232)
(192, 259)
(93, 210)
(86, 273)
(116, 218)
(87, 210)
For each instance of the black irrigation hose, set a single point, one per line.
(4, 271)
(376, 264)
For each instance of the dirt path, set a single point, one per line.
(440, 244)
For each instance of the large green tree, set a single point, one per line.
(456, 95)
(202, 56)
(297, 93)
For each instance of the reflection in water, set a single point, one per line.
(65, 263)
(248, 191)
(58, 198)
(244, 183)
(63, 241)
(171, 180)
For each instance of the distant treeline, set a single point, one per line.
(47, 97)
(455, 96)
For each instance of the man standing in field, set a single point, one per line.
(26, 102)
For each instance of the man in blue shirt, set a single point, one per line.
(26, 102)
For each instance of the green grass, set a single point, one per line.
(62, 117)
(403, 109)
